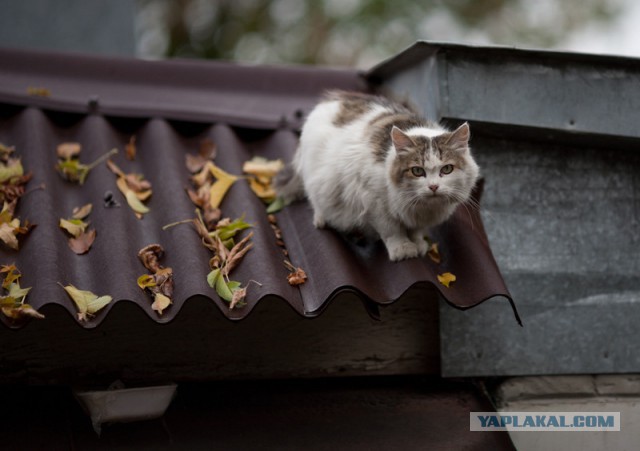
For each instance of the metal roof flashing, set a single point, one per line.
(537, 94)
(556, 137)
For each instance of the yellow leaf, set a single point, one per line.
(131, 196)
(75, 227)
(260, 166)
(434, 253)
(146, 281)
(263, 191)
(86, 302)
(446, 279)
(224, 180)
(135, 203)
(94, 305)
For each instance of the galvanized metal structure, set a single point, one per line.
(556, 136)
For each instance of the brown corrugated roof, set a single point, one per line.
(171, 107)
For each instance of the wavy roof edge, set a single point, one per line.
(272, 98)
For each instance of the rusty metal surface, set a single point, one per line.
(171, 107)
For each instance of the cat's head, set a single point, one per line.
(433, 166)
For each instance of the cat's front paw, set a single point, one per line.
(423, 246)
(401, 249)
(318, 221)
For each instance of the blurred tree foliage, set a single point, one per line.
(352, 32)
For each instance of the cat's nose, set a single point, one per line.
(433, 188)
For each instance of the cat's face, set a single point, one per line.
(433, 168)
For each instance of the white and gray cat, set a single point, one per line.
(372, 165)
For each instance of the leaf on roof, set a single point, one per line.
(87, 303)
(130, 149)
(446, 279)
(81, 239)
(261, 173)
(434, 253)
(159, 284)
(69, 165)
(219, 189)
(297, 276)
(38, 91)
(82, 212)
(206, 152)
(12, 303)
(13, 179)
(83, 242)
(134, 188)
(10, 227)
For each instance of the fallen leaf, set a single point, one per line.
(260, 166)
(134, 188)
(13, 304)
(69, 165)
(297, 277)
(75, 227)
(83, 242)
(146, 281)
(130, 149)
(10, 227)
(228, 229)
(206, 152)
(82, 212)
(38, 91)
(433, 253)
(135, 203)
(446, 279)
(12, 275)
(150, 257)
(160, 302)
(237, 300)
(87, 303)
(11, 169)
(68, 150)
(160, 283)
(21, 312)
(278, 204)
(265, 192)
(219, 189)
(8, 236)
(236, 254)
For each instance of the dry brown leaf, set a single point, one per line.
(130, 149)
(160, 283)
(298, 277)
(83, 242)
(238, 297)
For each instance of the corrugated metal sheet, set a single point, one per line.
(171, 107)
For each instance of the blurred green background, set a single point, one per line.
(358, 33)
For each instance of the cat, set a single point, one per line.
(370, 164)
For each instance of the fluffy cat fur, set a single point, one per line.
(372, 165)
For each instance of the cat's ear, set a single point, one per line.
(401, 141)
(459, 138)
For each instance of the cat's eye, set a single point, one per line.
(446, 169)
(418, 171)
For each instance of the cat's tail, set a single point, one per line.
(288, 182)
